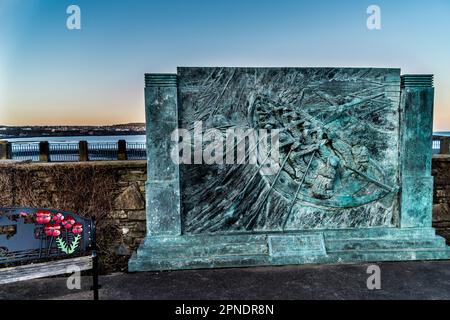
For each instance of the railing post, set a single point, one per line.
(5, 150)
(122, 150)
(44, 151)
(445, 145)
(83, 151)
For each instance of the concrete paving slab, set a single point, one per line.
(399, 280)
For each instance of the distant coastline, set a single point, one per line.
(13, 132)
(127, 129)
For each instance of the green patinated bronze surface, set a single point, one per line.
(354, 182)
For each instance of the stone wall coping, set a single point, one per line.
(441, 157)
(115, 163)
(100, 164)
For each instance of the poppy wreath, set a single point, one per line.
(52, 226)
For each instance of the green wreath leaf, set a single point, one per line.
(62, 245)
(74, 244)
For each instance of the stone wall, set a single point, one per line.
(441, 197)
(113, 191)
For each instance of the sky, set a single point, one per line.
(50, 75)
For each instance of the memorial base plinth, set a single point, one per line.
(306, 247)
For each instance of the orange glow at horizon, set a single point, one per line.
(133, 112)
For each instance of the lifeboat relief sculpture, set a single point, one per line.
(338, 149)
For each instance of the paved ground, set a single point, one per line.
(400, 280)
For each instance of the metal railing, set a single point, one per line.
(70, 151)
(436, 144)
(103, 151)
(136, 151)
(121, 150)
(441, 144)
(64, 152)
(24, 151)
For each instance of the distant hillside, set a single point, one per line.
(44, 131)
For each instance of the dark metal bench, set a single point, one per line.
(45, 243)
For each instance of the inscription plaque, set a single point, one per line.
(297, 245)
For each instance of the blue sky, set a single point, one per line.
(52, 75)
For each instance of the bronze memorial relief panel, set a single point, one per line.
(338, 148)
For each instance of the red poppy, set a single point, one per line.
(52, 230)
(43, 217)
(68, 222)
(77, 228)
(58, 218)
